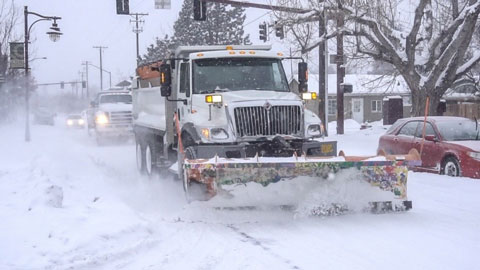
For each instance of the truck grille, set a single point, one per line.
(123, 117)
(258, 121)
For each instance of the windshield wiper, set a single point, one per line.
(218, 89)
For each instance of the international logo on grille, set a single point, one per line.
(267, 106)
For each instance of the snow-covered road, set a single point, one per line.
(66, 203)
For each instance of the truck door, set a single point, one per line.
(184, 91)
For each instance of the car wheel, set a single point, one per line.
(451, 167)
(140, 158)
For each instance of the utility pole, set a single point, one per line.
(137, 29)
(86, 63)
(100, 49)
(340, 71)
(322, 74)
(82, 74)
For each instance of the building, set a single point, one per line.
(365, 103)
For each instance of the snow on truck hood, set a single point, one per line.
(473, 145)
(115, 107)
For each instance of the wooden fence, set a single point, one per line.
(468, 110)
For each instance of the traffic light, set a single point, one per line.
(62, 85)
(123, 7)
(263, 31)
(199, 10)
(279, 31)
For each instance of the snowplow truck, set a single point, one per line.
(227, 116)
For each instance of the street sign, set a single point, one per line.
(163, 4)
(334, 59)
(17, 55)
(123, 7)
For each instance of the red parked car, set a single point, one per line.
(451, 146)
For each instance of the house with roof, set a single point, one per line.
(365, 102)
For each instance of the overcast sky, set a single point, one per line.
(88, 23)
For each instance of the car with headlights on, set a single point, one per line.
(75, 121)
(451, 145)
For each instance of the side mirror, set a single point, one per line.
(165, 80)
(431, 138)
(302, 77)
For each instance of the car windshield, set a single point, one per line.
(235, 74)
(116, 99)
(466, 130)
(74, 117)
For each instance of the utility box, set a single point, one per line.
(392, 109)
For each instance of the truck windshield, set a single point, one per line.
(116, 99)
(235, 74)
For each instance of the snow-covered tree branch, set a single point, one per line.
(428, 43)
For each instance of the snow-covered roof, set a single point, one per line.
(363, 84)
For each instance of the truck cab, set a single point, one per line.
(110, 115)
(227, 101)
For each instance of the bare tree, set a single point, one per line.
(428, 48)
(8, 21)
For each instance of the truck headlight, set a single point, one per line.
(214, 133)
(218, 134)
(314, 130)
(101, 119)
(474, 155)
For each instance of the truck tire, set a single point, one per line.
(140, 155)
(194, 191)
(100, 140)
(150, 159)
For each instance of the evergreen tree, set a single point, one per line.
(160, 50)
(224, 25)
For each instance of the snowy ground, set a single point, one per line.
(66, 203)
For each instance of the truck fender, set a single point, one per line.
(189, 128)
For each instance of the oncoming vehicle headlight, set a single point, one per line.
(101, 119)
(474, 155)
(69, 122)
(314, 130)
(81, 122)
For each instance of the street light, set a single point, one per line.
(54, 35)
(38, 58)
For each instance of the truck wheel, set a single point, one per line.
(150, 159)
(194, 191)
(140, 158)
(100, 140)
(450, 167)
